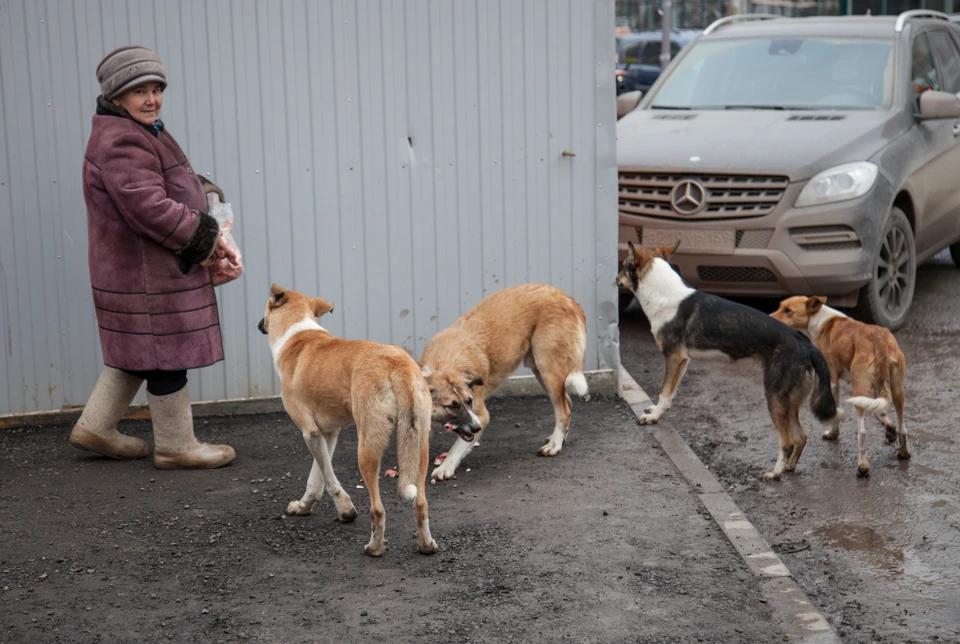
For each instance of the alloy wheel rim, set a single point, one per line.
(893, 271)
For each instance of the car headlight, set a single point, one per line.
(842, 182)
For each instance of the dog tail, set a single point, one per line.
(822, 402)
(870, 405)
(576, 384)
(413, 432)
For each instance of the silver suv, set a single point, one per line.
(801, 156)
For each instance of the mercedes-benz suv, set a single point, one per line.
(801, 156)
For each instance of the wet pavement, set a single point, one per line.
(879, 556)
(605, 542)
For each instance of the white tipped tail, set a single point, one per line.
(408, 492)
(871, 405)
(576, 384)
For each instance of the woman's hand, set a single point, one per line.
(220, 251)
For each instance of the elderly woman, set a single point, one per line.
(151, 244)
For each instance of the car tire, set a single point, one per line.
(955, 254)
(885, 300)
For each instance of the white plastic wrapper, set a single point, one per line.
(224, 271)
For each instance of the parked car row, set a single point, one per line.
(638, 57)
(801, 156)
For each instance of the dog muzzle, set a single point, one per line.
(263, 326)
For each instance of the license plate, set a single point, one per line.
(700, 240)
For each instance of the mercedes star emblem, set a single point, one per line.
(688, 197)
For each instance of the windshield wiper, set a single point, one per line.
(669, 107)
(767, 107)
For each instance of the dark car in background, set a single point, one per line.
(638, 57)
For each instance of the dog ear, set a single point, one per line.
(278, 295)
(666, 252)
(814, 303)
(320, 306)
(473, 380)
(633, 249)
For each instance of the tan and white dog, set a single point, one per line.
(534, 323)
(327, 382)
(868, 354)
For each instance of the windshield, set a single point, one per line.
(795, 73)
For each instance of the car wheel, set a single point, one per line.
(886, 298)
(955, 254)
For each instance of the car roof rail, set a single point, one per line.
(742, 17)
(918, 13)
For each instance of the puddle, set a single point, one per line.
(864, 540)
(929, 437)
(883, 557)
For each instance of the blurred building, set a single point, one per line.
(639, 15)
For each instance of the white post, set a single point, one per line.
(666, 11)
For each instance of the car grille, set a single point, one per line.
(735, 274)
(725, 196)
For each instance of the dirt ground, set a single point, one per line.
(880, 557)
(603, 543)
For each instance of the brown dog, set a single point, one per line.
(538, 324)
(868, 354)
(327, 382)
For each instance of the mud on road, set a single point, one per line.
(880, 557)
(603, 543)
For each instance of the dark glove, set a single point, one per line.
(210, 186)
(201, 243)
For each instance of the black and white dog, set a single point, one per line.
(689, 324)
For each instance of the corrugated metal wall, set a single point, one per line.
(401, 158)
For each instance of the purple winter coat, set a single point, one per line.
(148, 230)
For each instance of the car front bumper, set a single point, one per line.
(818, 250)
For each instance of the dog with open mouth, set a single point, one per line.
(327, 382)
(687, 323)
(536, 324)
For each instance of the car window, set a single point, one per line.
(800, 73)
(948, 59)
(651, 54)
(631, 55)
(923, 74)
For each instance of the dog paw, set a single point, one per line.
(347, 517)
(831, 434)
(891, 435)
(770, 476)
(862, 472)
(428, 549)
(648, 419)
(443, 473)
(375, 551)
(549, 450)
(903, 454)
(297, 508)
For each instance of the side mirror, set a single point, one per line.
(939, 105)
(627, 102)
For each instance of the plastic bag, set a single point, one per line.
(224, 270)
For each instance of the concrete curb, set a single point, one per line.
(799, 618)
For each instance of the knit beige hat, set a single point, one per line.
(127, 67)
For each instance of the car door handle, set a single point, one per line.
(956, 129)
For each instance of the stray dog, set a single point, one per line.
(868, 354)
(538, 324)
(327, 382)
(687, 323)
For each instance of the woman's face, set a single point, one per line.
(142, 102)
